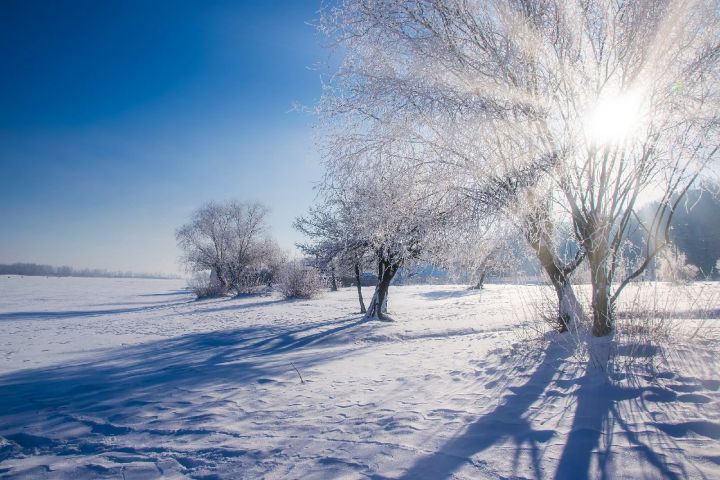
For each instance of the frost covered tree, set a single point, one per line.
(334, 242)
(607, 103)
(254, 256)
(393, 213)
(205, 244)
(230, 240)
(415, 71)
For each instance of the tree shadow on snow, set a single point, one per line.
(104, 395)
(597, 402)
(49, 315)
(241, 306)
(596, 413)
(447, 294)
(508, 421)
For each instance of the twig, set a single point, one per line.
(298, 372)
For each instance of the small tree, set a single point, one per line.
(333, 242)
(392, 214)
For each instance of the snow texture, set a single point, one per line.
(132, 378)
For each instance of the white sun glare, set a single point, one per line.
(613, 119)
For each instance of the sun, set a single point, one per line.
(613, 119)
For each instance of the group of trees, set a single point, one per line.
(34, 269)
(231, 241)
(450, 121)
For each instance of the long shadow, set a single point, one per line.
(593, 426)
(447, 294)
(100, 393)
(242, 306)
(507, 421)
(691, 314)
(288, 342)
(48, 315)
(186, 291)
(596, 409)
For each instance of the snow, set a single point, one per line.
(132, 378)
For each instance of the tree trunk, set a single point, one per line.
(333, 280)
(378, 304)
(219, 276)
(359, 288)
(479, 284)
(602, 306)
(569, 309)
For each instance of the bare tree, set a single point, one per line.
(333, 241)
(254, 255)
(231, 240)
(470, 249)
(205, 243)
(391, 213)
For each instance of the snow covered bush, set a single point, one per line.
(206, 285)
(673, 267)
(300, 281)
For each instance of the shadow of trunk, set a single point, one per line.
(593, 428)
(508, 421)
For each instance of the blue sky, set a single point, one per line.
(118, 118)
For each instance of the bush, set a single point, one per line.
(300, 281)
(674, 268)
(205, 285)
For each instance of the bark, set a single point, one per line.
(378, 305)
(602, 306)
(359, 288)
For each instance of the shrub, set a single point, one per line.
(300, 281)
(206, 285)
(673, 267)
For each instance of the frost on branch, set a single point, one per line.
(611, 103)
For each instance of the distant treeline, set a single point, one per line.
(33, 269)
(696, 231)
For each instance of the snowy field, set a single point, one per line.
(129, 378)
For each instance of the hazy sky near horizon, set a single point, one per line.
(117, 119)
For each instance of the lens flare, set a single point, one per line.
(613, 119)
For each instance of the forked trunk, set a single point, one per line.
(359, 288)
(569, 309)
(378, 305)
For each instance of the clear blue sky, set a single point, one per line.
(118, 118)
